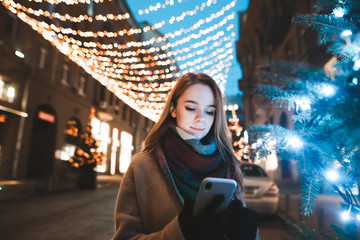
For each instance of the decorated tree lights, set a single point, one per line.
(87, 157)
(325, 140)
(239, 145)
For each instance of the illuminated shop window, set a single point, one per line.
(67, 151)
(101, 131)
(95, 123)
(7, 91)
(126, 149)
(114, 149)
(72, 131)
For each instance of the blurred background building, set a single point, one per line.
(45, 102)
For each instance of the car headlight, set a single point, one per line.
(273, 191)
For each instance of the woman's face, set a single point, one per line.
(195, 110)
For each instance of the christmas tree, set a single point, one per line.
(86, 153)
(325, 140)
(238, 141)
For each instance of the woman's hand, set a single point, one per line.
(243, 222)
(208, 225)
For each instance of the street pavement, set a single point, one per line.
(89, 214)
(75, 214)
(81, 215)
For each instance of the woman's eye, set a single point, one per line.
(210, 112)
(190, 108)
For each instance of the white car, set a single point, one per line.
(261, 193)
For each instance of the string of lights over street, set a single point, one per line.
(194, 36)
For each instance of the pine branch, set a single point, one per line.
(311, 188)
(277, 95)
(348, 233)
(291, 70)
(323, 21)
(302, 232)
(325, 5)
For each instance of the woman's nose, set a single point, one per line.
(200, 116)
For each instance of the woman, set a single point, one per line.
(189, 142)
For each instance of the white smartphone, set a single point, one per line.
(209, 189)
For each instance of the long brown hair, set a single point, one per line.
(219, 129)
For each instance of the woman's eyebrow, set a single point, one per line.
(191, 101)
(194, 102)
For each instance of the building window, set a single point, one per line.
(117, 105)
(131, 117)
(283, 120)
(126, 149)
(11, 25)
(101, 132)
(289, 53)
(111, 99)
(261, 44)
(114, 149)
(51, 8)
(82, 86)
(271, 120)
(124, 108)
(42, 60)
(90, 9)
(65, 75)
(7, 91)
(102, 97)
(102, 93)
(146, 124)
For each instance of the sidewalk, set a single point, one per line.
(19, 189)
(327, 211)
(78, 214)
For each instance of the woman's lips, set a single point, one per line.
(197, 129)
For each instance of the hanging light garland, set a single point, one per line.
(79, 43)
(154, 8)
(68, 2)
(67, 17)
(130, 32)
(157, 6)
(141, 82)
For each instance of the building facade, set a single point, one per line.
(45, 103)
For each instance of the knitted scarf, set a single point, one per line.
(191, 160)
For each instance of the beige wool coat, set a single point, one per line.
(148, 202)
(147, 205)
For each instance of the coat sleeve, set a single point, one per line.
(128, 220)
(240, 196)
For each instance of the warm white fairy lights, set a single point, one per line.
(155, 7)
(200, 33)
(201, 62)
(141, 73)
(67, 17)
(122, 32)
(152, 59)
(68, 2)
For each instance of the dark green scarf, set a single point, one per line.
(191, 160)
